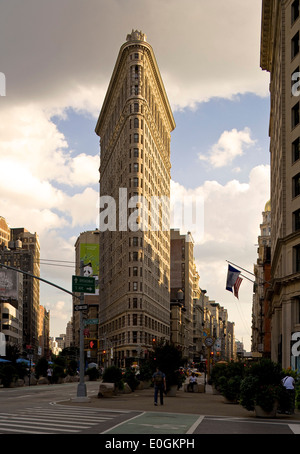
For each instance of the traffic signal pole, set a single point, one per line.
(81, 389)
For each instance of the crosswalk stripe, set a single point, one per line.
(60, 422)
(70, 416)
(34, 427)
(41, 420)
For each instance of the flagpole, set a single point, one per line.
(253, 282)
(240, 267)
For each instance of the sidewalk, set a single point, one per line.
(207, 404)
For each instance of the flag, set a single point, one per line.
(237, 286)
(233, 280)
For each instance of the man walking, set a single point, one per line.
(159, 380)
(289, 384)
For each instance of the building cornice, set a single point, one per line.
(266, 35)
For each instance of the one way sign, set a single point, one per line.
(80, 307)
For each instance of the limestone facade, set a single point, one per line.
(280, 56)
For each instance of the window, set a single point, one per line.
(136, 107)
(136, 123)
(295, 45)
(296, 220)
(135, 256)
(134, 300)
(295, 149)
(136, 138)
(296, 258)
(136, 72)
(135, 271)
(295, 10)
(296, 185)
(295, 115)
(136, 152)
(135, 241)
(135, 167)
(135, 286)
(135, 182)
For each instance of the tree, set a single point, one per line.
(168, 358)
(41, 367)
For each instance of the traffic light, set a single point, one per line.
(93, 344)
(90, 344)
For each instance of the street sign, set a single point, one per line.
(83, 284)
(80, 307)
(91, 321)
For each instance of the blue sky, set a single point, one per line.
(58, 66)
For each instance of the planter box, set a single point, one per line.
(106, 390)
(260, 413)
(172, 391)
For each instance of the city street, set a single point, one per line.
(51, 409)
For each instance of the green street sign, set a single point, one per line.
(91, 321)
(83, 284)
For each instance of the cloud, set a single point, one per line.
(231, 215)
(230, 145)
(65, 60)
(58, 310)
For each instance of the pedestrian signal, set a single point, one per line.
(91, 344)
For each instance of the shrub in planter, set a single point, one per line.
(218, 371)
(113, 374)
(58, 373)
(8, 375)
(72, 367)
(227, 379)
(130, 378)
(230, 387)
(261, 385)
(145, 372)
(92, 373)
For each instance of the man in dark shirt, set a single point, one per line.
(159, 380)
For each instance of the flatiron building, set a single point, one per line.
(134, 126)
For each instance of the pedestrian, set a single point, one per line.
(289, 384)
(192, 382)
(49, 375)
(159, 381)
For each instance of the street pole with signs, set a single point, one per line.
(82, 284)
(209, 342)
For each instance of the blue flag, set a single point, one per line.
(232, 277)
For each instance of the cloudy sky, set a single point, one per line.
(58, 57)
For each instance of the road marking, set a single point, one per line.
(196, 424)
(295, 428)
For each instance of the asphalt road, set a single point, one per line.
(54, 409)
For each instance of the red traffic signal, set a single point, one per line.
(93, 344)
